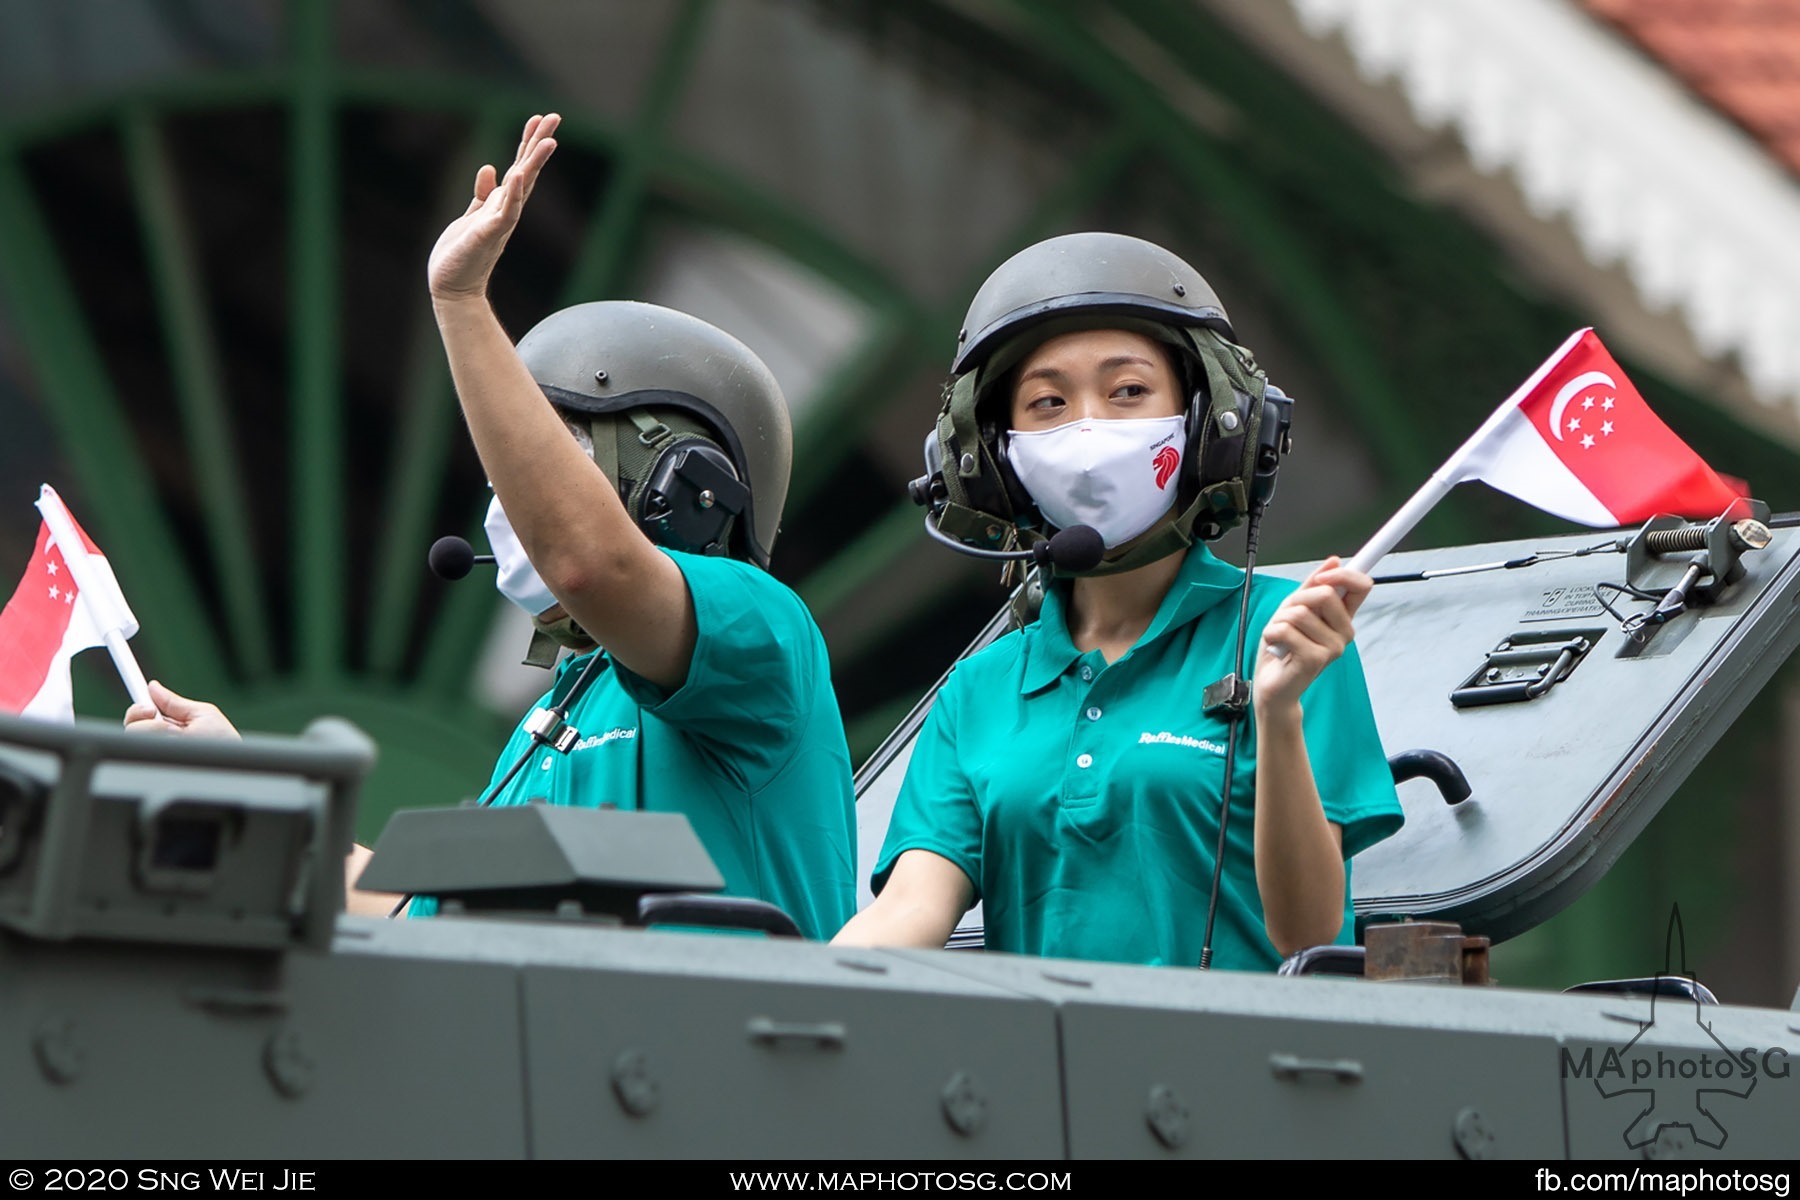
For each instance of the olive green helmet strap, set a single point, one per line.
(651, 432)
(542, 651)
(1230, 372)
(968, 460)
(604, 439)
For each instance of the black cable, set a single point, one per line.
(547, 737)
(1238, 703)
(1611, 546)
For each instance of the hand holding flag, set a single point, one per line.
(67, 601)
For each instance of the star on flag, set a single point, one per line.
(1636, 468)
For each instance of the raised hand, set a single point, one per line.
(467, 250)
(1312, 627)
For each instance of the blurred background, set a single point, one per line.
(215, 339)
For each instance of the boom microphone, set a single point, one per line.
(452, 557)
(1077, 548)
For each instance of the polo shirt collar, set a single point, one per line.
(1202, 582)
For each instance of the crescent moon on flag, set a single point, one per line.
(1572, 389)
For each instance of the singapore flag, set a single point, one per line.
(1577, 440)
(52, 617)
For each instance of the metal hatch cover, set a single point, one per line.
(1561, 782)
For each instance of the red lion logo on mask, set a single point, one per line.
(1167, 459)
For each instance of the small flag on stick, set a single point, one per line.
(1578, 441)
(67, 602)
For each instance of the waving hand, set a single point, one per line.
(469, 247)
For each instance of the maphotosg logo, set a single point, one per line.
(1676, 1088)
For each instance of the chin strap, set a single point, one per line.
(547, 637)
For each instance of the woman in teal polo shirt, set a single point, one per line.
(1068, 775)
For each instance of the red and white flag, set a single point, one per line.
(68, 601)
(1577, 440)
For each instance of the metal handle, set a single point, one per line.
(1293, 1068)
(235, 1001)
(817, 1035)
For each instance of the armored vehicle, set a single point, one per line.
(177, 977)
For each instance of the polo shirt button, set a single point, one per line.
(1093, 714)
(1087, 674)
(1085, 761)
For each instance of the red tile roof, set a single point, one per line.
(1742, 55)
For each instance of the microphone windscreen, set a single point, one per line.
(450, 557)
(1077, 548)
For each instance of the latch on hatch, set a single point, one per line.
(1525, 665)
(1683, 565)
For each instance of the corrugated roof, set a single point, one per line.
(1741, 55)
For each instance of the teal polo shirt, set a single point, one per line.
(750, 747)
(1082, 799)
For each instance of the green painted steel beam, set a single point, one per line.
(79, 401)
(199, 391)
(315, 395)
(1084, 184)
(863, 559)
(183, 92)
(618, 219)
(903, 344)
(866, 732)
(452, 656)
(888, 355)
(428, 428)
(684, 181)
(1303, 283)
(687, 182)
(1281, 123)
(698, 188)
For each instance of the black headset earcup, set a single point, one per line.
(1192, 480)
(690, 498)
(1273, 442)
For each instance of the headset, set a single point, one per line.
(1238, 430)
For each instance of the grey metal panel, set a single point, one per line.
(1134, 1038)
(1426, 1054)
(802, 1053)
(1258, 1087)
(685, 1002)
(119, 1051)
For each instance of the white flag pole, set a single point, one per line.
(98, 592)
(1462, 465)
(1456, 469)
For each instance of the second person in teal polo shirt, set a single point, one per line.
(1069, 775)
(639, 459)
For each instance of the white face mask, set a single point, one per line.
(517, 580)
(1117, 476)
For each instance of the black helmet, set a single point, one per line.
(685, 420)
(1087, 281)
